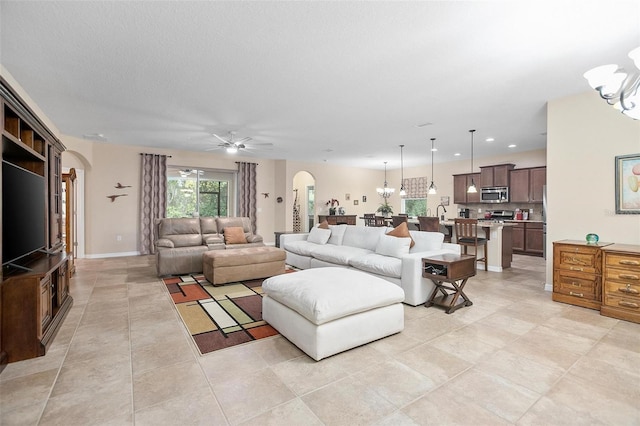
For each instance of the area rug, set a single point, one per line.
(222, 316)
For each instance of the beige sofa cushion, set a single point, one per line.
(180, 232)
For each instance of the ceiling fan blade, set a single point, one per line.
(226, 142)
(243, 140)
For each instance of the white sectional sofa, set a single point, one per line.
(370, 250)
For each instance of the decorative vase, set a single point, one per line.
(332, 211)
(592, 238)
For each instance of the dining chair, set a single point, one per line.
(397, 220)
(467, 236)
(380, 221)
(369, 219)
(429, 223)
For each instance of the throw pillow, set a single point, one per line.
(324, 224)
(393, 246)
(337, 234)
(234, 235)
(401, 231)
(319, 235)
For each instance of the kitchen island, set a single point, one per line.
(499, 240)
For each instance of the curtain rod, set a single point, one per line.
(238, 162)
(146, 153)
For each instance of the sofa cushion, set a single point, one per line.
(183, 232)
(365, 237)
(209, 230)
(234, 235)
(378, 264)
(319, 235)
(300, 247)
(325, 294)
(393, 246)
(340, 255)
(337, 234)
(401, 231)
(426, 241)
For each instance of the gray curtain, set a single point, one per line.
(153, 198)
(247, 192)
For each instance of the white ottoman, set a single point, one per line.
(324, 311)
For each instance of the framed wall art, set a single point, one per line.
(628, 184)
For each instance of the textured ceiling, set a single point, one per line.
(342, 82)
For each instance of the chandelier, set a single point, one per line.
(472, 188)
(403, 193)
(432, 188)
(618, 88)
(385, 192)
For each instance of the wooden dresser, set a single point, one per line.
(577, 273)
(337, 219)
(621, 289)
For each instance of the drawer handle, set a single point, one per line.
(575, 284)
(628, 289)
(628, 277)
(576, 294)
(629, 262)
(574, 268)
(628, 304)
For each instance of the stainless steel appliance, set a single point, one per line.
(496, 194)
(464, 213)
(501, 215)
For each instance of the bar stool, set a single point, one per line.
(429, 223)
(467, 236)
(397, 220)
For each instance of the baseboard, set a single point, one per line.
(548, 287)
(105, 255)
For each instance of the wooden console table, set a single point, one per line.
(451, 269)
(337, 219)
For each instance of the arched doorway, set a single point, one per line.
(305, 184)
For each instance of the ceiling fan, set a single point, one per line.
(233, 145)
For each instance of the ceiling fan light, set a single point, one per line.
(232, 149)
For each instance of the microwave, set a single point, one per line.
(494, 195)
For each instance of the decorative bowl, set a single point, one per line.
(592, 238)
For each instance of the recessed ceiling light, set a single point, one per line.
(489, 139)
(457, 154)
(434, 149)
(512, 145)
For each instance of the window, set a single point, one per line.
(414, 206)
(200, 192)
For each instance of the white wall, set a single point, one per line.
(584, 135)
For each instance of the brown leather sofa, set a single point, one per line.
(182, 241)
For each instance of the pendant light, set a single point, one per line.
(472, 188)
(402, 191)
(385, 192)
(432, 188)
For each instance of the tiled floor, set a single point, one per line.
(515, 357)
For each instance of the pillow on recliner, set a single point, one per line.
(234, 235)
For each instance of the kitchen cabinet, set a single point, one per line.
(577, 273)
(497, 175)
(460, 185)
(621, 287)
(526, 185)
(528, 238)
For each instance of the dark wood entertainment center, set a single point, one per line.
(34, 287)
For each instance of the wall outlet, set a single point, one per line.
(118, 237)
(531, 211)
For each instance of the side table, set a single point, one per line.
(453, 269)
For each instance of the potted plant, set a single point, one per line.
(385, 209)
(332, 203)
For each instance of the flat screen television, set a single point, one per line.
(23, 212)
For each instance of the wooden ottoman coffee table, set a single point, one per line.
(324, 311)
(232, 265)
